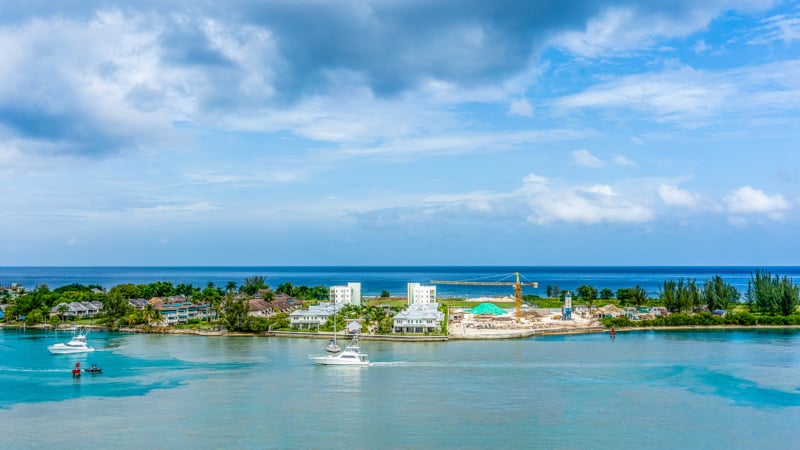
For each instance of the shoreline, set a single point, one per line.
(499, 335)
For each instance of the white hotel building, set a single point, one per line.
(421, 295)
(346, 295)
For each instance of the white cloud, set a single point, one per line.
(701, 47)
(747, 200)
(157, 210)
(620, 30)
(674, 196)
(521, 107)
(782, 27)
(578, 204)
(539, 200)
(693, 98)
(454, 143)
(584, 158)
(623, 161)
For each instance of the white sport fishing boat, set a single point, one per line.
(75, 345)
(350, 356)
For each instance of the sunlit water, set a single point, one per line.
(735, 389)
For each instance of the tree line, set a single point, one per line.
(229, 301)
(766, 294)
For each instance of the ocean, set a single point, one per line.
(656, 390)
(374, 280)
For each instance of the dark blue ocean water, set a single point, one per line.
(392, 279)
(657, 390)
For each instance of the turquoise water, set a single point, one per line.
(693, 389)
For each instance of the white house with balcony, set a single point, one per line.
(418, 318)
(346, 295)
(419, 294)
(313, 317)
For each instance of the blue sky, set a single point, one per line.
(400, 133)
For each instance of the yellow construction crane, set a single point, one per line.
(517, 287)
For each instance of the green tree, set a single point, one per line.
(668, 295)
(35, 299)
(63, 309)
(234, 313)
(126, 291)
(789, 297)
(762, 295)
(606, 294)
(625, 296)
(279, 321)
(33, 317)
(588, 294)
(286, 288)
(386, 325)
(185, 289)
(771, 295)
(149, 314)
(553, 291)
(116, 306)
(639, 295)
(253, 284)
(385, 294)
(688, 295)
(717, 294)
(211, 296)
(230, 288)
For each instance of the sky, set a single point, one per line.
(397, 132)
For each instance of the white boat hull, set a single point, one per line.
(61, 349)
(330, 360)
(75, 345)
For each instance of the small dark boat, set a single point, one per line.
(94, 369)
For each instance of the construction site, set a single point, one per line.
(488, 321)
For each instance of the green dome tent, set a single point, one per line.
(488, 308)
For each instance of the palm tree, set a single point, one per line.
(230, 287)
(133, 319)
(157, 316)
(147, 313)
(63, 309)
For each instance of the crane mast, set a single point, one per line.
(517, 287)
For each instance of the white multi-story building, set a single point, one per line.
(346, 295)
(418, 318)
(313, 317)
(418, 294)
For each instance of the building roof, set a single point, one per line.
(354, 327)
(421, 311)
(323, 309)
(257, 304)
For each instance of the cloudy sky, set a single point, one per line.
(397, 132)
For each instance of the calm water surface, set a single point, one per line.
(733, 389)
(393, 279)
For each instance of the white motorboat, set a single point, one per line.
(75, 345)
(350, 356)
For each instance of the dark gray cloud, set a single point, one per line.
(394, 45)
(389, 47)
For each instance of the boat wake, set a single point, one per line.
(406, 364)
(26, 370)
